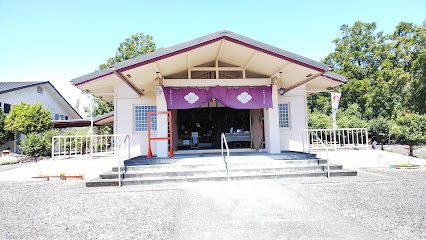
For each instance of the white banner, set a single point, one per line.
(335, 99)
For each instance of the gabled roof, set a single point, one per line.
(202, 41)
(6, 87)
(106, 119)
(13, 86)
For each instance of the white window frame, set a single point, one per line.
(143, 130)
(288, 115)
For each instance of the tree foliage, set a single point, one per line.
(5, 135)
(386, 74)
(35, 145)
(138, 44)
(99, 107)
(28, 119)
(410, 129)
(379, 129)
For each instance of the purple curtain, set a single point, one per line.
(185, 98)
(238, 98)
(244, 97)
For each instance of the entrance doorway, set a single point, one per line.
(209, 123)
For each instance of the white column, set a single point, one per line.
(272, 128)
(162, 126)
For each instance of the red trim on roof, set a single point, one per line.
(201, 45)
(94, 79)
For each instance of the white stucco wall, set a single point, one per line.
(125, 124)
(291, 138)
(30, 95)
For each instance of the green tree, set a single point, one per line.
(5, 135)
(357, 56)
(351, 117)
(28, 119)
(379, 129)
(35, 145)
(410, 129)
(99, 108)
(138, 44)
(318, 120)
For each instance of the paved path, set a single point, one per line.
(258, 210)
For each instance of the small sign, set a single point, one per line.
(194, 134)
(186, 142)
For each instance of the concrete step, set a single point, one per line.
(219, 163)
(219, 177)
(236, 157)
(222, 177)
(171, 172)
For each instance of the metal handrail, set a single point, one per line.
(119, 157)
(223, 140)
(326, 149)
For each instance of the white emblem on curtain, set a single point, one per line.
(244, 97)
(191, 97)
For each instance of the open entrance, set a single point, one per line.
(200, 128)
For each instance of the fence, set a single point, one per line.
(93, 145)
(339, 138)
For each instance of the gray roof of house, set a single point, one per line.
(13, 86)
(6, 87)
(201, 41)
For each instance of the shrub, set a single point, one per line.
(35, 145)
(317, 120)
(410, 129)
(379, 129)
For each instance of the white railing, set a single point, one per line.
(121, 148)
(225, 159)
(88, 145)
(339, 138)
(326, 149)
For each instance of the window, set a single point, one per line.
(141, 118)
(62, 117)
(66, 117)
(6, 108)
(56, 116)
(39, 90)
(283, 109)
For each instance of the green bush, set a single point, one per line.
(317, 120)
(35, 145)
(379, 129)
(410, 129)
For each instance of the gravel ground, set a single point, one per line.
(46, 210)
(393, 209)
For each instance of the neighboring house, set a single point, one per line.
(221, 82)
(13, 93)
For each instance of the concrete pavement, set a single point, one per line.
(258, 210)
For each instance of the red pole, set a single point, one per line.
(149, 137)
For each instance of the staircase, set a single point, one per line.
(211, 167)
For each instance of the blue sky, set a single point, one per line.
(60, 40)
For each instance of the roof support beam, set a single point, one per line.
(304, 81)
(248, 63)
(122, 78)
(219, 52)
(281, 69)
(188, 59)
(230, 69)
